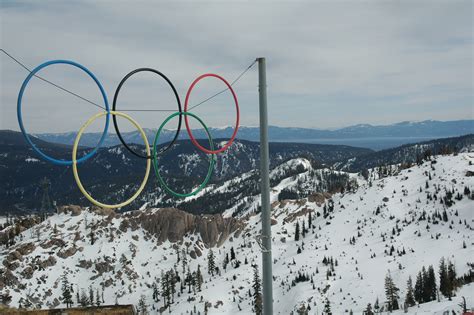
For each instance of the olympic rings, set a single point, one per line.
(155, 161)
(20, 119)
(236, 128)
(114, 104)
(151, 156)
(74, 164)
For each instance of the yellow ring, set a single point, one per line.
(74, 160)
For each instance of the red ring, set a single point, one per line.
(186, 117)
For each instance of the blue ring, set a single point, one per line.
(20, 120)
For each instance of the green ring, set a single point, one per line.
(155, 162)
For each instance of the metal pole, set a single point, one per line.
(266, 236)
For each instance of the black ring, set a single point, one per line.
(115, 102)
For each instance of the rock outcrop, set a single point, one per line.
(73, 209)
(319, 198)
(65, 253)
(103, 211)
(172, 224)
(26, 249)
(7, 278)
(27, 273)
(53, 242)
(51, 261)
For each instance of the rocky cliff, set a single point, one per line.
(173, 224)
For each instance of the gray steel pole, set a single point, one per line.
(266, 236)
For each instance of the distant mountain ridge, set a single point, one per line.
(120, 173)
(408, 153)
(381, 137)
(21, 169)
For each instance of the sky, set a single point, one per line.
(329, 64)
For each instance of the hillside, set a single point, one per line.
(396, 223)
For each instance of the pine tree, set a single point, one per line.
(232, 253)
(409, 298)
(97, 298)
(142, 307)
(297, 231)
(189, 280)
(182, 285)
(327, 307)
(165, 288)
(156, 293)
(226, 261)
(377, 305)
(257, 292)
(91, 295)
(431, 284)
(172, 282)
(418, 292)
(21, 301)
(463, 305)
(452, 282)
(445, 216)
(66, 292)
(443, 278)
(426, 285)
(84, 299)
(391, 292)
(78, 298)
(199, 278)
(368, 310)
(185, 260)
(194, 282)
(27, 302)
(211, 264)
(92, 235)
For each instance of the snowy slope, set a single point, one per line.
(358, 278)
(362, 276)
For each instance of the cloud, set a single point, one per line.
(329, 63)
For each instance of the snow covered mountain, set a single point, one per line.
(328, 248)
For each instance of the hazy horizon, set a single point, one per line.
(323, 129)
(111, 130)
